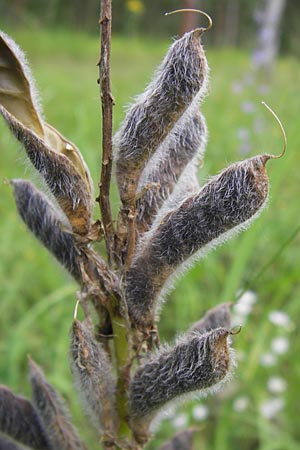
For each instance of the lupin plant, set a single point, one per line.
(123, 375)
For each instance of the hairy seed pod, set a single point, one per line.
(8, 444)
(185, 142)
(20, 421)
(58, 160)
(223, 206)
(214, 318)
(52, 412)
(196, 363)
(183, 440)
(181, 76)
(44, 222)
(92, 373)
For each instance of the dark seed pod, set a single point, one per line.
(20, 421)
(181, 77)
(7, 444)
(195, 363)
(223, 206)
(186, 142)
(214, 318)
(44, 222)
(183, 440)
(58, 160)
(93, 378)
(52, 412)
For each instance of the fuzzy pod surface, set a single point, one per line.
(181, 76)
(223, 206)
(20, 421)
(43, 221)
(52, 412)
(216, 317)
(195, 363)
(92, 374)
(185, 142)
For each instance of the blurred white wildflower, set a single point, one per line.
(200, 412)
(276, 385)
(268, 359)
(237, 87)
(243, 307)
(180, 421)
(241, 403)
(271, 407)
(280, 345)
(279, 318)
(243, 133)
(245, 148)
(248, 107)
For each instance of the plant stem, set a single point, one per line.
(107, 106)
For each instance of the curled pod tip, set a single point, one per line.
(269, 156)
(200, 30)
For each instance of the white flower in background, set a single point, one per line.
(268, 359)
(180, 421)
(243, 307)
(270, 408)
(276, 385)
(243, 133)
(200, 412)
(241, 403)
(248, 107)
(279, 318)
(280, 345)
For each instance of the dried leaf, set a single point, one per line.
(19, 420)
(57, 159)
(44, 222)
(195, 363)
(224, 206)
(92, 372)
(52, 412)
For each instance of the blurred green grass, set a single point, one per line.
(38, 297)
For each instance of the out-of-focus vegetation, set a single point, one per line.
(234, 19)
(259, 408)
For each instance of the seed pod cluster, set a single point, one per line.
(57, 159)
(52, 412)
(92, 372)
(224, 205)
(195, 363)
(181, 77)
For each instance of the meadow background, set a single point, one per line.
(258, 270)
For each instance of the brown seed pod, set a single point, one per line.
(45, 223)
(214, 318)
(181, 77)
(58, 160)
(183, 440)
(196, 363)
(185, 142)
(52, 412)
(93, 378)
(20, 421)
(224, 205)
